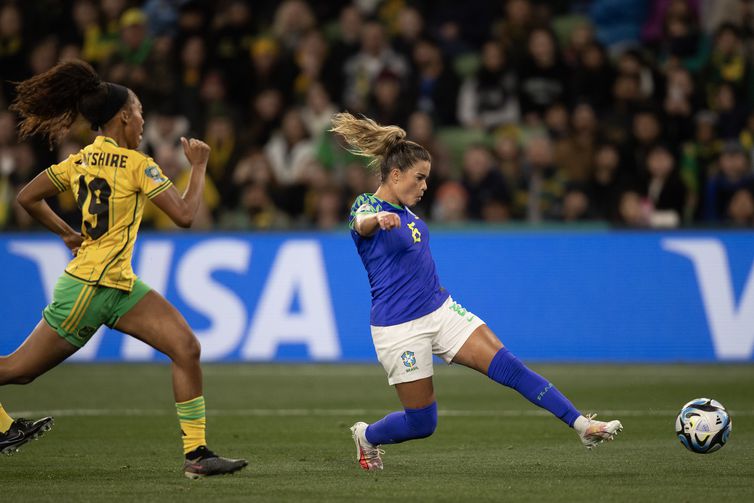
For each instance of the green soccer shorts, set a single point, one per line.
(77, 310)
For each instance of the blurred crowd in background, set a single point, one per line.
(633, 113)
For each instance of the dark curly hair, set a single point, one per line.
(48, 103)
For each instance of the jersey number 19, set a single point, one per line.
(99, 205)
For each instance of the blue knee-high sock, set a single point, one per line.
(398, 427)
(509, 371)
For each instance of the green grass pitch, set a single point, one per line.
(116, 436)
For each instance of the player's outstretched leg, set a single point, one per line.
(509, 371)
(485, 353)
(156, 322)
(40, 352)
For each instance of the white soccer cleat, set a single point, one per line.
(367, 455)
(597, 432)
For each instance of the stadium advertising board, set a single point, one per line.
(596, 296)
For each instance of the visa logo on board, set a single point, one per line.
(297, 272)
(731, 323)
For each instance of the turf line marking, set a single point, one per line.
(335, 412)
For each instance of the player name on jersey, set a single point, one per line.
(106, 159)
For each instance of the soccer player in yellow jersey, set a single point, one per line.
(111, 183)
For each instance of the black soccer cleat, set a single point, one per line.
(23, 431)
(204, 463)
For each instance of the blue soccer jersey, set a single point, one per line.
(401, 271)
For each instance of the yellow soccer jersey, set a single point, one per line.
(110, 184)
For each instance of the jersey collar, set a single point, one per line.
(105, 139)
(396, 206)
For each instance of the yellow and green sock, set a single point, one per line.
(5, 420)
(193, 423)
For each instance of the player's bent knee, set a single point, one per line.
(194, 348)
(187, 351)
(23, 379)
(12, 375)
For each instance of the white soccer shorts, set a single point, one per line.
(405, 351)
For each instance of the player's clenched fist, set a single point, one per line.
(387, 220)
(196, 151)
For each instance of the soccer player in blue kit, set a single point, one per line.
(412, 316)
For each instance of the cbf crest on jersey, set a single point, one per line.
(154, 173)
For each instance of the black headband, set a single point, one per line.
(116, 98)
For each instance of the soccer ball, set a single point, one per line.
(703, 425)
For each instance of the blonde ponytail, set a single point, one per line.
(384, 145)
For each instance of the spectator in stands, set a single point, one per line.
(164, 126)
(192, 69)
(318, 110)
(616, 123)
(357, 180)
(410, 30)
(680, 104)
(513, 32)
(488, 99)
(293, 19)
(733, 174)
(344, 45)
(421, 130)
(231, 45)
(450, 203)
(662, 189)
(730, 115)
(309, 58)
(128, 63)
(543, 78)
(270, 69)
(632, 62)
(7, 166)
(746, 138)
(698, 156)
(573, 154)
(387, 102)
(618, 22)
(682, 42)
(86, 32)
(13, 47)
(257, 211)
(580, 40)
(329, 208)
(741, 208)
(604, 188)
(489, 198)
(632, 210)
(221, 135)
(557, 121)
(727, 64)
(362, 69)
(646, 133)
(435, 85)
(593, 77)
(546, 185)
(266, 113)
(290, 151)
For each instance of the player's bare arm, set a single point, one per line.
(32, 199)
(182, 209)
